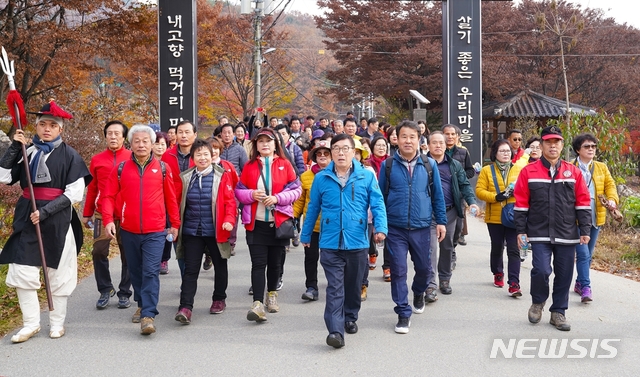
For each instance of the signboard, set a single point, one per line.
(177, 62)
(462, 75)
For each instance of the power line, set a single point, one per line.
(297, 91)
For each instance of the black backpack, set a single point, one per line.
(389, 163)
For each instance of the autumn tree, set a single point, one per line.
(384, 48)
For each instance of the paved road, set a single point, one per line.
(453, 337)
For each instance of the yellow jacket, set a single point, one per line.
(486, 190)
(300, 205)
(605, 185)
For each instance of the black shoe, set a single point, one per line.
(310, 295)
(123, 302)
(296, 242)
(418, 303)
(103, 301)
(445, 288)
(207, 264)
(431, 295)
(251, 290)
(402, 327)
(351, 327)
(335, 340)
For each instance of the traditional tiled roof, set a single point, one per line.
(531, 104)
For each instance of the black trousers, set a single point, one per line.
(194, 247)
(311, 257)
(266, 254)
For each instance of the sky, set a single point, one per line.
(621, 10)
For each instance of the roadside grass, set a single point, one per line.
(10, 315)
(618, 252)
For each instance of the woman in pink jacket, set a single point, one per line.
(268, 187)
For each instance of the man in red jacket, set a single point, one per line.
(551, 197)
(146, 199)
(179, 159)
(101, 166)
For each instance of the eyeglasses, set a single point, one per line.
(322, 153)
(344, 149)
(517, 139)
(504, 151)
(590, 146)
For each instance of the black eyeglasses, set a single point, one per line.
(590, 146)
(517, 139)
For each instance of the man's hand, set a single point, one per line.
(110, 229)
(35, 217)
(173, 231)
(584, 240)
(520, 243)
(306, 244)
(471, 207)
(379, 237)
(19, 137)
(441, 232)
(85, 221)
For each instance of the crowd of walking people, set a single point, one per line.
(350, 191)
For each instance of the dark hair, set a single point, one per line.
(125, 129)
(390, 132)
(408, 124)
(532, 139)
(172, 128)
(225, 126)
(283, 127)
(293, 117)
(310, 117)
(215, 143)
(272, 118)
(162, 135)
(341, 137)
(186, 122)
(350, 120)
(363, 118)
(455, 128)
(199, 144)
(254, 146)
(375, 141)
(240, 125)
(496, 145)
(513, 131)
(580, 139)
(372, 120)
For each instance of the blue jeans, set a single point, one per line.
(563, 258)
(417, 243)
(144, 254)
(344, 270)
(584, 253)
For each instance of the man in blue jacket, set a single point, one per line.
(344, 191)
(413, 195)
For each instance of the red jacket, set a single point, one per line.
(170, 157)
(100, 168)
(147, 197)
(546, 209)
(282, 175)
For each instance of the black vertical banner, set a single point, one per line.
(462, 76)
(177, 62)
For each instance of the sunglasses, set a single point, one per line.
(517, 139)
(323, 153)
(590, 146)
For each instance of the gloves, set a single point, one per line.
(501, 197)
(54, 206)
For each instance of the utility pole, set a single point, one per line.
(257, 87)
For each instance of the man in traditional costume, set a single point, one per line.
(59, 176)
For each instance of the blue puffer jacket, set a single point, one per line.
(344, 210)
(197, 212)
(408, 203)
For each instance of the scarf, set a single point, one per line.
(315, 168)
(38, 168)
(197, 176)
(376, 162)
(504, 168)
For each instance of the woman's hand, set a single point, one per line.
(258, 195)
(227, 226)
(270, 201)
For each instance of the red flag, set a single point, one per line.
(15, 100)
